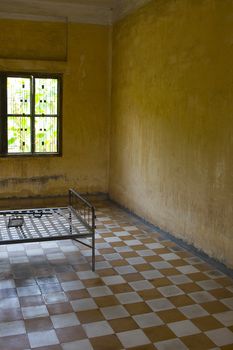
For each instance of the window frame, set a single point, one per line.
(4, 115)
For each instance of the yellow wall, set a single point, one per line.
(171, 136)
(84, 164)
(33, 40)
(172, 119)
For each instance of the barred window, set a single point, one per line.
(30, 114)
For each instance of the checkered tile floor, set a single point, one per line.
(147, 293)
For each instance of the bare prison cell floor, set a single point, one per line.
(147, 293)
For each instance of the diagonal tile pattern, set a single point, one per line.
(147, 293)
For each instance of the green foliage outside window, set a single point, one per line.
(32, 115)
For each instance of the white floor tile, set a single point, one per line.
(148, 320)
(183, 328)
(83, 304)
(78, 345)
(141, 285)
(202, 297)
(99, 291)
(220, 336)
(45, 338)
(193, 311)
(65, 320)
(160, 304)
(170, 291)
(97, 329)
(133, 338)
(171, 344)
(226, 318)
(128, 298)
(113, 312)
(12, 328)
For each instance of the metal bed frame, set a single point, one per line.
(76, 221)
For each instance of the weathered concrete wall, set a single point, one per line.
(85, 118)
(172, 120)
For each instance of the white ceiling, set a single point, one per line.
(84, 11)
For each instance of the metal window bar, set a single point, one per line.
(76, 222)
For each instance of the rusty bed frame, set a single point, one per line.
(76, 222)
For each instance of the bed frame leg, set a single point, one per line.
(93, 252)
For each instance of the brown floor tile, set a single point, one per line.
(77, 294)
(108, 342)
(170, 272)
(34, 300)
(115, 229)
(67, 276)
(108, 300)
(214, 307)
(197, 276)
(197, 342)
(144, 347)
(120, 262)
(206, 323)
(7, 315)
(161, 282)
(224, 281)
(156, 334)
(178, 262)
(81, 267)
(142, 267)
(90, 316)
(131, 277)
(221, 293)
(108, 222)
(149, 294)
(227, 347)
(203, 267)
(162, 251)
(106, 272)
(24, 282)
(137, 308)
(127, 255)
(69, 334)
(100, 240)
(184, 254)
(181, 300)
(17, 342)
(190, 287)
(8, 293)
(125, 238)
(60, 308)
(150, 240)
(121, 288)
(139, 247)
(106, 251)
(169, 316)
(118, 244)
(94, 282)
(38, 324)
(169, 244)
(123, 324)
(152, 258)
